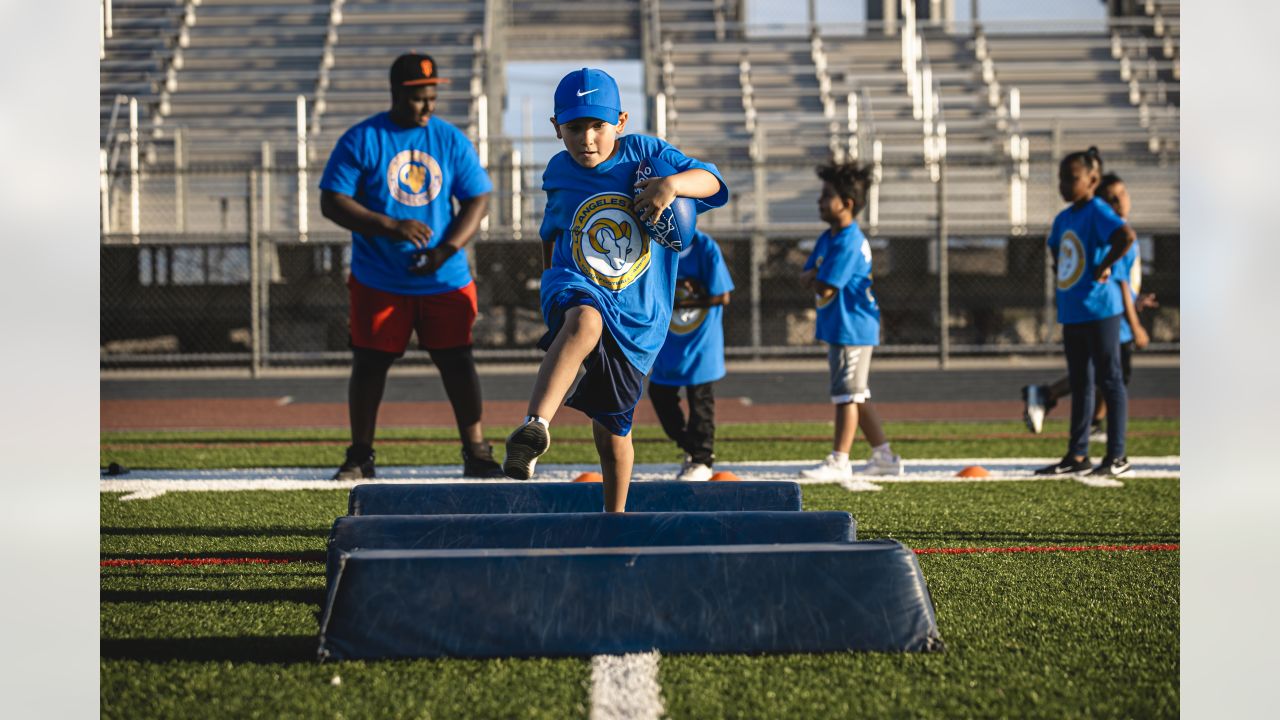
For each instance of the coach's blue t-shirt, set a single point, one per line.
(405, 173)
(1129, 269)
(1080, 239)
(694, 351)
(850, 316)
(601, 250)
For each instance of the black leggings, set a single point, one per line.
(697, 435)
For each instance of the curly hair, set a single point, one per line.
(849, 180)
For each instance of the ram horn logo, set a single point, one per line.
(605, 232)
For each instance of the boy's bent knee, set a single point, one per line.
(584, 320)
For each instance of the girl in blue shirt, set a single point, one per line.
(1086, 240)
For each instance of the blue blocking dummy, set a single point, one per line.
(569, 530)
(562, 497)
(587, 601)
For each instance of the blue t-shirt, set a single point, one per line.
(1129, 269)
(405, 173)
(601, 250)
(694, 351)
(850, 316)
(1080, 239)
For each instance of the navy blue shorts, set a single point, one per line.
(611, 388)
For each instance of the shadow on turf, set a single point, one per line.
(247, 649)
(1108, 538)
(297, 595)
(219, 531)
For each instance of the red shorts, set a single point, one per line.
(383, 321)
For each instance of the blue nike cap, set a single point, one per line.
(588, 93)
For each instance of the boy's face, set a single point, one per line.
(1117, 196)
(590, 141)
(832, 207)
(1075, 182)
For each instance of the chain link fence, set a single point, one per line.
(218, 267)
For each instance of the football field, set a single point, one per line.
(1054, 598)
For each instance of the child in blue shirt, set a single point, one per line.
(1087, 240)
(839, 271)
(693, 356)
(1040, 399)
(607, 290)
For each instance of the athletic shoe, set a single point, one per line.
(1034, 408)
(1097, 433)
(692, 471)
(478, 462)
(355, 467)
(1113, 468)
(524, 446)
(830, 470)
(882, 465)
(1066, 466)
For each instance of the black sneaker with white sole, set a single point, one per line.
(1066, 466)
(357, 466)
(1113, 468)
(524, 446)
(478, 462)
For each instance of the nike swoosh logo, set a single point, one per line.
(588, 92)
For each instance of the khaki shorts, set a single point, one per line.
(850, 365)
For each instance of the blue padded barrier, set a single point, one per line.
(588, 601)
(562, 497)
(596, 529)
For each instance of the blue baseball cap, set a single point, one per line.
(587, 93)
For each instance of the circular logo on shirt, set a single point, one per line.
(686, 320)
(1071, 260)
(608, 244)
(414, 178)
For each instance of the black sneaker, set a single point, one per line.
(478, 462)
(1113, 468)
(1066, 466)
(357, 466)
(524, 446)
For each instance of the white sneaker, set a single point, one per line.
(830, 470)
(882, 465)
(691, 471)
(1033, 411)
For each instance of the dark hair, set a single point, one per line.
(1107, 181)
(849, 180)
(1089, 159)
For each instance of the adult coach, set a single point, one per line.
(391, 180)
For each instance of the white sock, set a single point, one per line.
(840, 457)
(882, 450)
(534, 418)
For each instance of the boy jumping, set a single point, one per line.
(607, 290)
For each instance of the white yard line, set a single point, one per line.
(146, 484)
(625, 687)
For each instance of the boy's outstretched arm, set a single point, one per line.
(705, 301)
(657, 194)
(1140, 337)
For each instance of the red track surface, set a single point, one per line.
(268, 413)
(179, 562)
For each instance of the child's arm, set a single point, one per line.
(824, 290)
(547, 249)
(657, 194)
(704, 301)
(1140, 337)
(1120, 240)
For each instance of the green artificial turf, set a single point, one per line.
(1088, 634)
(571, 444)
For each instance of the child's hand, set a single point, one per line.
(656, 195)
(808, 276)
(1140, 337)
(1146, 301)
(1103, 276)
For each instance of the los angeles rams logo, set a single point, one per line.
(414, 178)
(608, 244)
(1071, 260)
(686, 320)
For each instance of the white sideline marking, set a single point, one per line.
(625, 687)
(146, 484)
